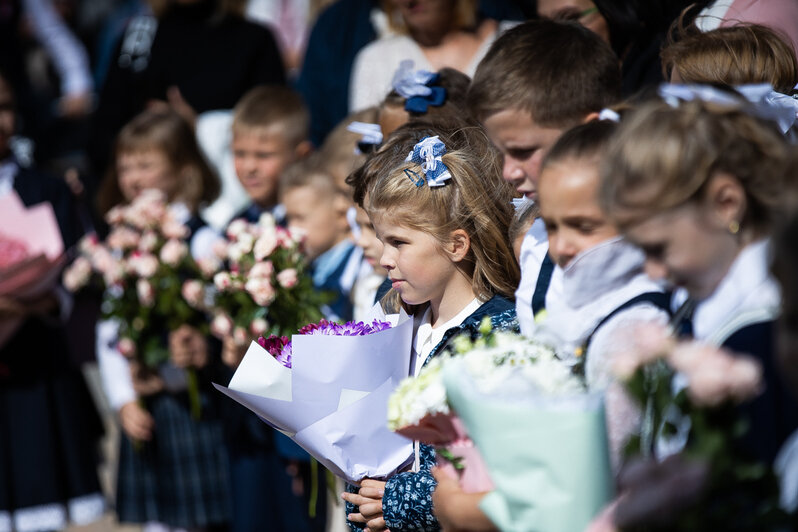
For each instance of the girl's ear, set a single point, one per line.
(726, 200)
(459, 245)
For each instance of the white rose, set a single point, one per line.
(221, 325)
(287, 278)
(173, 252)
(78, 274)
(145, 292)
(265, 245)
(261, 290)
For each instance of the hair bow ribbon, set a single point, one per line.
(371, 136)
(758, 99)
(417, 87)
(427, 153)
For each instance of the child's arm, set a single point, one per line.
(456, 509)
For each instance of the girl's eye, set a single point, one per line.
(654, 251)
(587, 228)
(521, 154)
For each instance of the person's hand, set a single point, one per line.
(232, 353)
(188, 347)
(175, 102)
(455, 509)
(136, 421)
(369, 501)
(75, 105)
(145, 382)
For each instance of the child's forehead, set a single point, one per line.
(271, 135)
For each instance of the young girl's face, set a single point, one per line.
(368, 241)
(686, 247)
(142, 170)
(417, 266)
(568, 194)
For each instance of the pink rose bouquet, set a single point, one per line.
(689, 393)
(260, 283)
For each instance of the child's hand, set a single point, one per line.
(145, 382)
(369, 501)
(188, 347)
(232, 353)
(136, 421)
(455, 509)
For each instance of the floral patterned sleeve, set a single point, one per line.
(407, 503)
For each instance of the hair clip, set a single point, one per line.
(417, 87)
(759, 100)
(609, 114)
(427, 153)
(414, 177)
(371, 136)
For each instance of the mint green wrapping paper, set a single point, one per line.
(547, 456)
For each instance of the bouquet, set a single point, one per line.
(689, 392)
(541, 435)
(31, 255)
(261, 287)
(147, 271)
(327, 388)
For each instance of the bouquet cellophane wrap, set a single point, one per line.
(333, 401)
(547, 455)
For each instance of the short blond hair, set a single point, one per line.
(272, 109)
(746, 53)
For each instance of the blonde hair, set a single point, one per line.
(476, 199)
(167, 132)
(272, 109)
(746, 53)
(309, 172)
(662, 158)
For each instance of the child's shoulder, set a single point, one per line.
(501, 311)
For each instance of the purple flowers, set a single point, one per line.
(280, 346)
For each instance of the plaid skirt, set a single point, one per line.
(182, 476)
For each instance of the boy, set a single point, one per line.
(538, 80)
(270, 132)
(316, 208)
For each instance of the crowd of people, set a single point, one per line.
(521, 161)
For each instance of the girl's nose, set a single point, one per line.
(511, 170)
(386, 260)
(562, 250)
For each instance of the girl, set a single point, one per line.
(172, 468)
(442, 214)
(605, 291)
(698, 187)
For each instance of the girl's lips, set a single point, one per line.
(395, 284)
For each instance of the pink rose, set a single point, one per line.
(221, 325)
(123, 238)
(220, 249)
(115, 216)
(222, 281)
(261, 290)
(261, 270)
(287, 278)
(237, 227)
(114, 274)
(143, 264)
(193, 292)
(127, 347)
(173, 252)
(78, 274)
(174, 229)
(245, 242)
(266, 222)
(145, 292)
(265, 245)
(258, 327)
(148, 241)
(209, 266)
(240, 336)
(89, 243)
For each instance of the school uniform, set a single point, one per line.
(407, 501)
(181, 476)
(541, 279)
(740, 315)
(49, 426)
(335, 271)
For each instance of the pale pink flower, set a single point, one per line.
(115, 273)
(209, 266)
(123, 238)
(148, 241)
(78, 274)
(143, 264)
(116, 215)
(265, 245)
(288, 239)
(235, 252)
(237, 227)
(745, 378)
(245, 242)
(146, 292)
(259, 326)
(89, 243)
(101, 259)
(173, 252)
(220, 249)
(221, 325)
(240, 336)
(261, 270)
(171, 228)
(287, 278)
(222, 281)
(193, 292)
(266, 222)
(127, 347)
(261, 290)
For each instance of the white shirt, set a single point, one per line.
(534, 248)
(427, 337)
